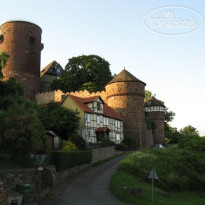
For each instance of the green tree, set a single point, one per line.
(148, 95)
(3, 60)
(11, 87)
(84, 72)
(189, 131)
(21, 131)
(64, 122)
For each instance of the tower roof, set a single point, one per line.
(125, 76)
(154, 102)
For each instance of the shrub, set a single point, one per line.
(129, 141)
(121, 146)
(69, 146)
(176, 168)
(106, 142)
(78, 141)
(65, 160)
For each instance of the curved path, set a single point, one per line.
(88, 188)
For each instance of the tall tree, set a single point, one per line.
(21, 131)
(11, 88)
(3, 59)
(189, 131)
(148, 95)
(64, 122)
(89, 72)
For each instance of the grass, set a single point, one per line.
(124, 179)
(98, 163)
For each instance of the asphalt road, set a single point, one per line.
(87, 188)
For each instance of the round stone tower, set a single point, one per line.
(155, 110)
(125, 94)
(22, 41)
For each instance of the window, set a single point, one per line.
(117, 137)
(98, 119)
(58, 70)
(88, 117)
(115, 123)
(118, 124)
(89, 133)
(105, 121)
(98, 106)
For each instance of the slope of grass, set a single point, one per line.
(124, 179)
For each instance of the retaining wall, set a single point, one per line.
(42, 182)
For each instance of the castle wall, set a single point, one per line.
(158, 130)
(46, 97)
(127, 98)
(22, 41)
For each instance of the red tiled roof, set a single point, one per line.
(109, 112)
(102, 129)
(90, 99)
(81, 104)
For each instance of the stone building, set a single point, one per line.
(154, 110)
(22, 41)
(124, 94)
(49, 73)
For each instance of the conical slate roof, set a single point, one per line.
(125, 76)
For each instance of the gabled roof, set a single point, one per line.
(125, 76)
(81, 102)
(48, 69)
(92, 99)
(109, 112)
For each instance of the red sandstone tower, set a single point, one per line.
(155, 110)
(22, 41)
(125, 94)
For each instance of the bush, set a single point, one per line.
(78, 141)
(106, 142)
(69, 146)
(177, 169)
(129, 141)
(65, 160)
(121, 146)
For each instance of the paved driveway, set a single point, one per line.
(87, 188)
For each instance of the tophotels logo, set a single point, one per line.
(173, 20)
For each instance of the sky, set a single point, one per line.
(172, 66)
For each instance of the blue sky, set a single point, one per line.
(173, 67)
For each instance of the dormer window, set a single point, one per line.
(58, 70)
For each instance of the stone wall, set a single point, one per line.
(46, 97)
(103, 153)
(42, 182)
(11, 178)
(3, 200)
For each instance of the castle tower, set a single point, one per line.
(125, 94)
(155, 110)
(22, 41)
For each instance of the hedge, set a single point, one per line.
(65, 160)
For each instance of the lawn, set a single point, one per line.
(124, 179)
